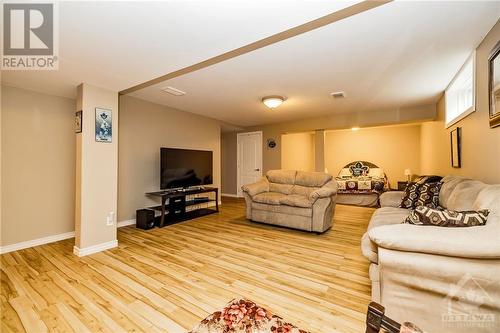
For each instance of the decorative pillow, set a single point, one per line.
(421, 195)
(427, 179)
(376, 172)
(345, 173)
(428, 195)
(359, 169)
(410, 197)
(446, 218)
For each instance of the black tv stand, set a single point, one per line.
(175, 210)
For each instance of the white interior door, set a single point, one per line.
(249, 158)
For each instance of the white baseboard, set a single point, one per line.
(229, 195)
(125, 223)
(94, 248)
(36, 242)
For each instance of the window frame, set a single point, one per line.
(471, 109)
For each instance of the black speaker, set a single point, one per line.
(145, 219)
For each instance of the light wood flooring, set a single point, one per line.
(167, 280)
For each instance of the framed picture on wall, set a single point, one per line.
(78, 121)
(455, 137)
(103, 125)
(494, 86)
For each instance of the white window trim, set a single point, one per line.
(473, 107)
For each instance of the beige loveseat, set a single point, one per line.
(294, 199)
(443, 279)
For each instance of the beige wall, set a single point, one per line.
(480, 144)
(272, 157)
(298, 151)
(228, 160)
(38, 165)
(97, 170)
(393, 148)
(144, 128)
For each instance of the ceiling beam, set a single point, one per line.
(292, 32)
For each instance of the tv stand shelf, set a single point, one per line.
(188, 203)
(175, 210)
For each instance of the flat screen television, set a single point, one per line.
(181, 168)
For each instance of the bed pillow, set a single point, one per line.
(345, 173)
(421, 195)
(376, 172)
(446, 218)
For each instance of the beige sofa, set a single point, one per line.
(443, 279)
(294, 199)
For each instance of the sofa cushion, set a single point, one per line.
(283, 209)
(388, 215)
(489, 198)
(382, 216)
(312, 179)
(296, 200)
(303, 190)
(464, 194)
(281, 176)
(280, 188)
(270, 198)
(449, 184)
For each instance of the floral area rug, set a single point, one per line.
(244, 316)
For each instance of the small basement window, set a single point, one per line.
(460, 96)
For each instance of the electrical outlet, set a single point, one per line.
(110, 218)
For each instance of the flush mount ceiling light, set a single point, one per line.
(338, 94)
(173, 91)
(273, 101)
(355, 128)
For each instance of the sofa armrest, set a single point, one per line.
(481, 242)
(328, 190)
(391, 198)
(256, 188)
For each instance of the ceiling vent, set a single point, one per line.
(173, 91)
(338, 94)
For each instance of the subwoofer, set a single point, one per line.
(145, 219)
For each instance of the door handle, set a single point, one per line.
(256, 169)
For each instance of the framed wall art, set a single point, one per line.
(103, 125)
(494, 86)
(455, 137)
(78, 121)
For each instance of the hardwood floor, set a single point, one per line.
(167, 280)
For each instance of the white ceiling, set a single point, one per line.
(397, 55)
(117, 45)
(400, 54)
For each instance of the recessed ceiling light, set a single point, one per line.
(173, 91)
(273, 101)
(355, 128)
(338, 94)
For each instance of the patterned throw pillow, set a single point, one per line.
(421, 195)
(428, 195)
(427, 179)
(410, 196)
(446, 218)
